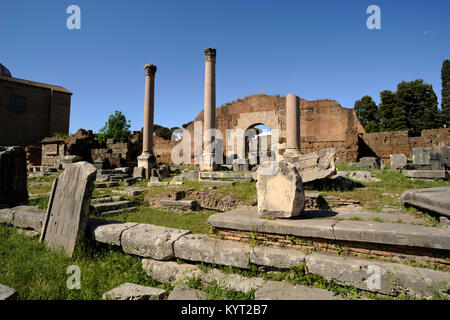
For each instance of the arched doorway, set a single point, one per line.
(258, 138)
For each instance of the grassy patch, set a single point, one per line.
(186, 220)
(38, 273)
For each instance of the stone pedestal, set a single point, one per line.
(207, 162)
(148, 162)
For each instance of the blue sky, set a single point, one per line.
(314, 49)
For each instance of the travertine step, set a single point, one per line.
(100, 208)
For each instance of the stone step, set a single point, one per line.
(99, 208)
(181, 204)
(394, 234)
(217, 182)
(106, 184)
(116, 212)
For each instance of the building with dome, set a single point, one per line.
(31, 111)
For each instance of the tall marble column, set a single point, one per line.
(147, 160)
(209, 112)
(292, 125)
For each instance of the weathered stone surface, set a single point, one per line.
(68, 206)
(131, 291)
(360, 176)
(393, 234)
(130, 191)
(316, 165)
(232, 281)
(200, 247)
(177, 180)
(276, 257)
(6, 216)
(7, 293)
(421, 156)
(217, 182)
(280, 190)
(280, 290)
(369, 163)
(170, 272)
(240, 165)
(28, 218)
(434, 199)
(446, 156)
(99, 208)
(106, 185)
(190, 175)
(212, 175)
(67, 160)
(111, 232)
(13, 175)
(378, 276)
(184, 293)
(139, 172)
(364, 231)
(157, 183)
(398, 161)
(183, 204)
(151, 241)
(427, 174)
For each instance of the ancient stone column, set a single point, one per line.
(209, 112)
(147, 160)
(292, 125)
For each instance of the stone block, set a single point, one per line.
(190, 175)
(281, 290)
(28, 218)
(427, 174)
(185, 293)
(421, 156)
(7, 293)
(110, 232)
(130, 181)
(204, 249)
(378, 276)
(139, 172)
(6, 216)
(369, 163)
(181, 204)
(276, 257)
(316, 165)
(446, 156)
(398, 161)
(433, 199)
(131, 291)
(170, 272)
(13, 175)
(241, 165)
(68, 207)
(280, 190)
(151, 241)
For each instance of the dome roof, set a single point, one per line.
(4, 71)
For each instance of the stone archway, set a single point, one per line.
(257, 143)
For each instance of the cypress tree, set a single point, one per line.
(367, 112)
(386, 109)
(445, 102)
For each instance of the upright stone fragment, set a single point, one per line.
(280, 190)
(421, 156)
(13, 176)
(398, 161)
(68, 207)
(369, 163)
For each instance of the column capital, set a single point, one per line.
(150, 69)
(210, 54)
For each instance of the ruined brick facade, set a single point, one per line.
(383, 144)
(323, 123)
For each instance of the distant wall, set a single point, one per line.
(383, 144)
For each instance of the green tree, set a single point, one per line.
(419, 102)
(445, 102)
(388, 101)
(116, 127)
(367, 112)
(164, 132)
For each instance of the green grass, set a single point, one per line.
(38, 273)
(186, 220)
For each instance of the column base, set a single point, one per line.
(148, 162)
(291, 154)
(207, 162)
